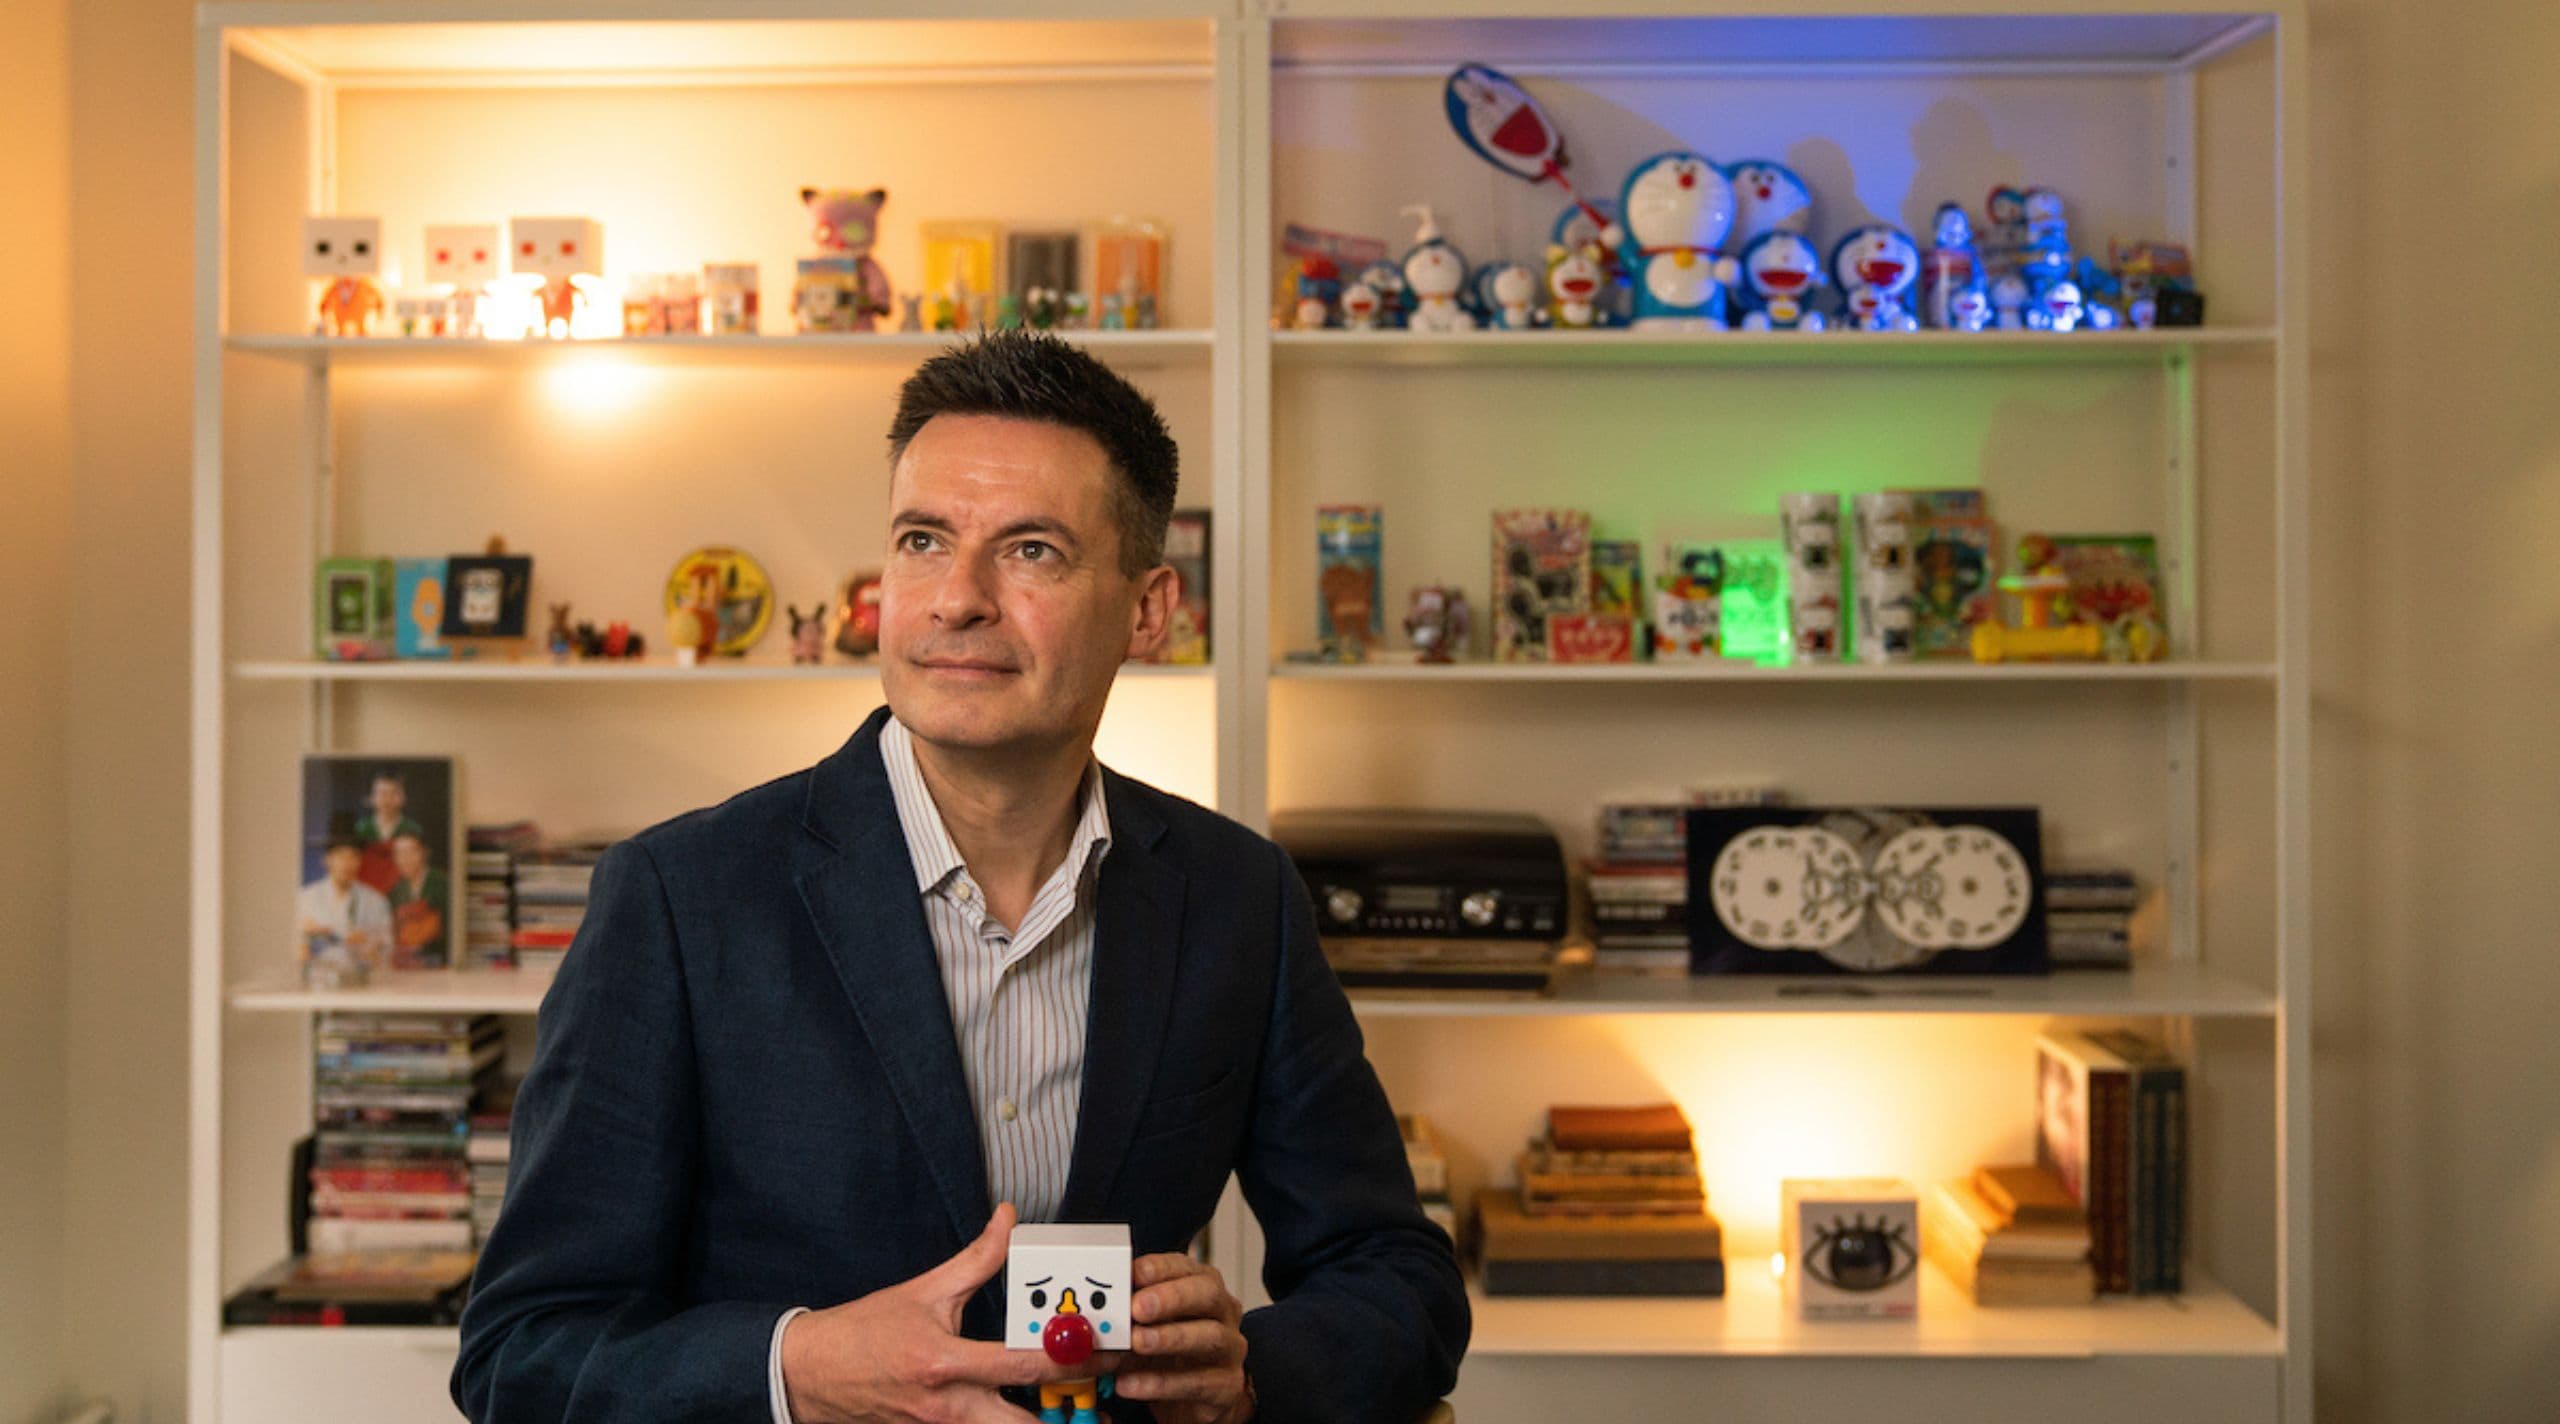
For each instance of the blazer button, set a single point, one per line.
(1006, 1110)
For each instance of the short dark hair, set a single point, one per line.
(1032, 375)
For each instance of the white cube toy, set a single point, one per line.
(342, 247)
(1852, 1248)
(1059, 1271)
(556, 248)
(463, 255)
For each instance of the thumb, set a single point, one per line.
(977, 1262)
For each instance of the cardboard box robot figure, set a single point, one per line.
(1066, 1290)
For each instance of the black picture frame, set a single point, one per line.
(487, 595)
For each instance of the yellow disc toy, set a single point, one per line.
(730, 588)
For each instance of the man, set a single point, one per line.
(818, 1048)
(389, 818)
(420, 899)
(341, 917)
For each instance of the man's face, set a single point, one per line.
(342, 861)
(388, 800)
(408, 856)
(1003, 611)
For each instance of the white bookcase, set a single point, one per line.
(688, 126)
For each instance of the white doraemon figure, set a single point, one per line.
(1360, 306)
(1674, 214)
(2057, 307)
(1768, 197)
(1781, 270)
(1508, 293)
(2009, 299)
(1876, 267)
(1434, 273)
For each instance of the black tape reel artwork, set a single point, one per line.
(1867, 890)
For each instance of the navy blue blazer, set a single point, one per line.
(746, 1096)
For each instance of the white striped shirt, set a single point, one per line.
(1017, 998)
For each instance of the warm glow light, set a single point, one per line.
(594, 384)
(1777, 1265)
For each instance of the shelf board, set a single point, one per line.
(1362, 36)
(638, 670)
(1760, 348)
(2152, 990)
(1167, 347)
(1736, 670)
(1752, 1320)
(435, 991)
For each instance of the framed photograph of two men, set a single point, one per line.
(381, 862)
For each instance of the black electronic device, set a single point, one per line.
(1437, 875)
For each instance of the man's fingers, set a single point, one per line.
(1211, 1383)
(1163, 1266)
(1190, 1339)
(977, 1263)
(1198, 1297)
(988, 1363)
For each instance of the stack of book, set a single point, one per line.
(1430, 1170)
(486, 1150)
(392, 1100)
(489, 906)
(2088, 918)
(551, 900)
(1609, 1203)
(2112, 1128)
(366, 1288)
(1639, 882)
(2009, 1236)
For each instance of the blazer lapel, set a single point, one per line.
(1137, 924)
(863, 901)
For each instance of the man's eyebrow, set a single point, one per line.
(1035, 524)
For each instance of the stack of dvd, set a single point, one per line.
(1639, 887)
(551, 900)
(489, 894)
(487, 1152)
(392, 1099)
(2088, 918)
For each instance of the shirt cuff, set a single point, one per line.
(773, 1366)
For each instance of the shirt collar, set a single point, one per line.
(929, 843)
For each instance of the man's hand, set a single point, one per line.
(897, 1354)
(1187, 1348)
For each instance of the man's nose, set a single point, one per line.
(965, 595)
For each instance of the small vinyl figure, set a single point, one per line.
(858, 617)
(1508, 292)
(1437, 621)
(1435, 272)
(566, 257)
(347, 253)
(1674, 214)
(808, 633)
(462, 258)
(734, 293)
(1360, 307)
(1317, 287)
(560, 641)
(1781, 269)
(2057, 307)
(844, 224)
(1876, 266)
(911, 311)
(1951, 286)
(1768, 197)
(1395, 302)
(693, 625)
(1576, 281)
(1067, 1289)
(2009, 299)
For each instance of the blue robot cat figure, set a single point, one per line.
(1780, 271)
(2009, 301)
(1436, 274)
(1877, 266)
(1768, 197)
(1673, 215)
(1394, 303)
(1952, 294)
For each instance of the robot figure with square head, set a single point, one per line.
(347, 252)
(560, 251)
(463, 257)
(1066, 1291)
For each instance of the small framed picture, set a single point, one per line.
(486, 595)
(1051, 260)
(381, 859)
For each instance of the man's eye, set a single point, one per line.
(915, 541)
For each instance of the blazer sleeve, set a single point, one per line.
(575, 1309)
(1369, 1316)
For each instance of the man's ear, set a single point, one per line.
(1154, 616)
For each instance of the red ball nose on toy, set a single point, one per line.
(1068, 1340)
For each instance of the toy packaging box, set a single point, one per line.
(351, 610)
(1852, 1248)
(1955, 564)
(417, 606)
(1541, 569)
(1351, 606)
(1186, 548)
(2113, 577)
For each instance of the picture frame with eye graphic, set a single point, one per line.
(1833, 890)
(1851, 1248)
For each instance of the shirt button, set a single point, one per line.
(1006, 1110)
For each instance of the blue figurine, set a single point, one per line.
(2009, 300)
(1435, 272)
(1768, 197)
(1673, 215)
(1507, 296)
(1575, 233)
(1877, 267)
(1780, 271)
(1394, 302)
(1952, 291)
(2100, 296)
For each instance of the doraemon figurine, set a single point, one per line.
(1577, 285)
(1435, 272)
(1507, 294)
(2004, 238)
(1575, 234)
(1780, 271)
(1387, 280)
(2100, 293)
(1361, 305)
(1951, 286)
(1673, 215)
(2056, 307)
(1768, 197)
(1876, 266)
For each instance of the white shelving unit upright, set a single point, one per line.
(688, 125)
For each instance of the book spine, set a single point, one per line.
(2109, 1170)
(2173, 1183)
(2146, 1180)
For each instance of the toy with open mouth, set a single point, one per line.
(1435, 272)
(1952, 294)
(1673, 216)
(1877, 266)
(1781, 272)
(1576, 283)
(1768, 197)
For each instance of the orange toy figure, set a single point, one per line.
(693, 625)
(567, 254)
(348, 253)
